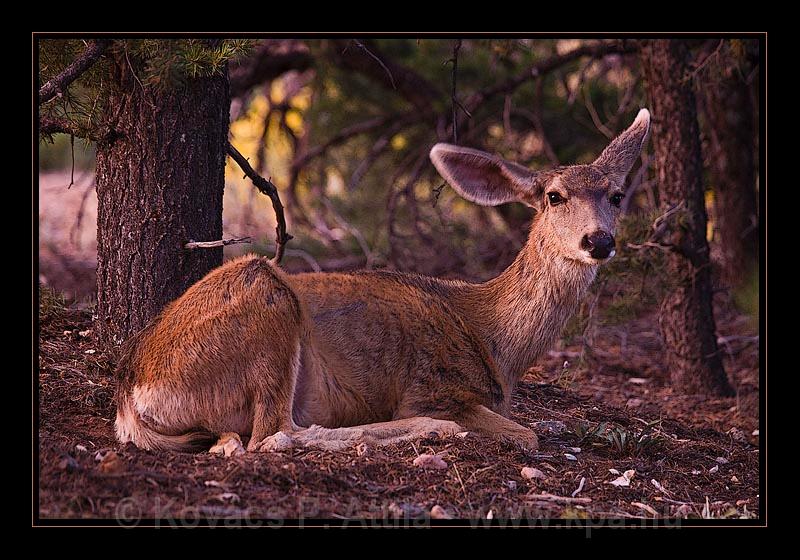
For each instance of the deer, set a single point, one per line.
(333, 359)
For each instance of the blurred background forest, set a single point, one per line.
(345, 139)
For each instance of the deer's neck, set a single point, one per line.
(524, 309)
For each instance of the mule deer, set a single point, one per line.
(376, 356)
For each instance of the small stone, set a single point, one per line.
(734, 479)
(90, 351)
(714, 469)
(634, 403)
(438, 512)
(80, 447)
(756, 433)
(84, 334)
(721, 460)
(530, 473)
(490, 515)
(574, 449)
(570, 457)
(512, 485)
(462, 435)
(427, 461)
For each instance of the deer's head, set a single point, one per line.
(578, 205)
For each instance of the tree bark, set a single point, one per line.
(686, 315)
(160, 180)
(729, 111)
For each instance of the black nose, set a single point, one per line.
(599, 244)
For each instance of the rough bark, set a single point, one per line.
(729, 111)
(160, 181)
(686, 315)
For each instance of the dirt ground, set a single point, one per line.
(690, 457)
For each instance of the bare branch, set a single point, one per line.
(265, 187)
(270, 59)
(596, 50)
(217, 243)
(71, 73)
(411, 86)
(55, 125)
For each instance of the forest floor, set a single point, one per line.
(690, 457)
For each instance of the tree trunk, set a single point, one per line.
(160, 182)
(729, 111)
(686, 317)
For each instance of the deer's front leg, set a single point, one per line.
(482, 420)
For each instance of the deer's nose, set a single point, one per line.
(600, 244)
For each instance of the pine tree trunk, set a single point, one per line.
(686, 316)
(160, 182)
(729, 111)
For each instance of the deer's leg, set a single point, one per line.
(482, 420)
(377, 434)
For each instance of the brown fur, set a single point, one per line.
(251, 350)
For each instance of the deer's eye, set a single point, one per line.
(616, 199)
(555, 198)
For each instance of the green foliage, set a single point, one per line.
(617, 440)
(157, 63)
(169, 63)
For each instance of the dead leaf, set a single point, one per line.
(570, 457)
(646, 508)
(111, 463)
(229, 497)
(580, 487)
(80, 447)
(462, 435)
(614, 471)
(574, 449)
(427, 461)
(84, 334)
(438, 512)
(625, 479)
(721, 460)
(658, 485)
(713, 469)
(530, 473)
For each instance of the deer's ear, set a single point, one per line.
(484, 178)
(619, 156)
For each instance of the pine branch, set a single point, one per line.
(72, 72)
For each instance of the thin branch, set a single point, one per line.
(361, 46)
(453, 96)
(72, 72)
(55, 125)
(265, 187)
(595, 50)
(217, 243)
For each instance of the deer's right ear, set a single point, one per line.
(483, 178)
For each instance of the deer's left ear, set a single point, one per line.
(619, 156)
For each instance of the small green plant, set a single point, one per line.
(617, 439)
